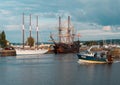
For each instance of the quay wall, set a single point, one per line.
(4, 53)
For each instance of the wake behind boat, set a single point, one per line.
(95, 58)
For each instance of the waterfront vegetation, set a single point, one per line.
(3, 41)
(30, 41)
(101, 42)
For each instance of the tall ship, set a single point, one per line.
(26, 49)
(66, 39)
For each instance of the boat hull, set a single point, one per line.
(92, 59)
(67, 48)
(29, 52)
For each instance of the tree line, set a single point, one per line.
(3, 41)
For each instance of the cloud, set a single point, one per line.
(97, 35)
(12, 27)
(6, 12)
(94, 31)
(107, 28)
(87, 16)
(101, 12)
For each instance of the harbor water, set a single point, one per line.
(51, 69)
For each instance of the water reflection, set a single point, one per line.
(50, 69)
(95, 74)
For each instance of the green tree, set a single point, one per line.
(90, 43)
(30, 41)
(3, 41)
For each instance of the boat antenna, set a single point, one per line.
(23, 28)
(37, 30)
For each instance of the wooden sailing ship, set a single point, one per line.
(66, 43)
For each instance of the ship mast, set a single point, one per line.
(30, 26)
(73, 34)
(37, 31)
(59, 29)
(68, 30)
(23, 27)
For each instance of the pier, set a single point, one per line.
(4, 53)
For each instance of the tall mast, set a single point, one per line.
(68, 29)
(23, 27)
(37, 30)
(73, 34)
(59, 29)
(30, 25)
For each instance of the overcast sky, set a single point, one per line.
(93, 19)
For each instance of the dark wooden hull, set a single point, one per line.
(67, 48)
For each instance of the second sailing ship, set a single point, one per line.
(66, 42)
